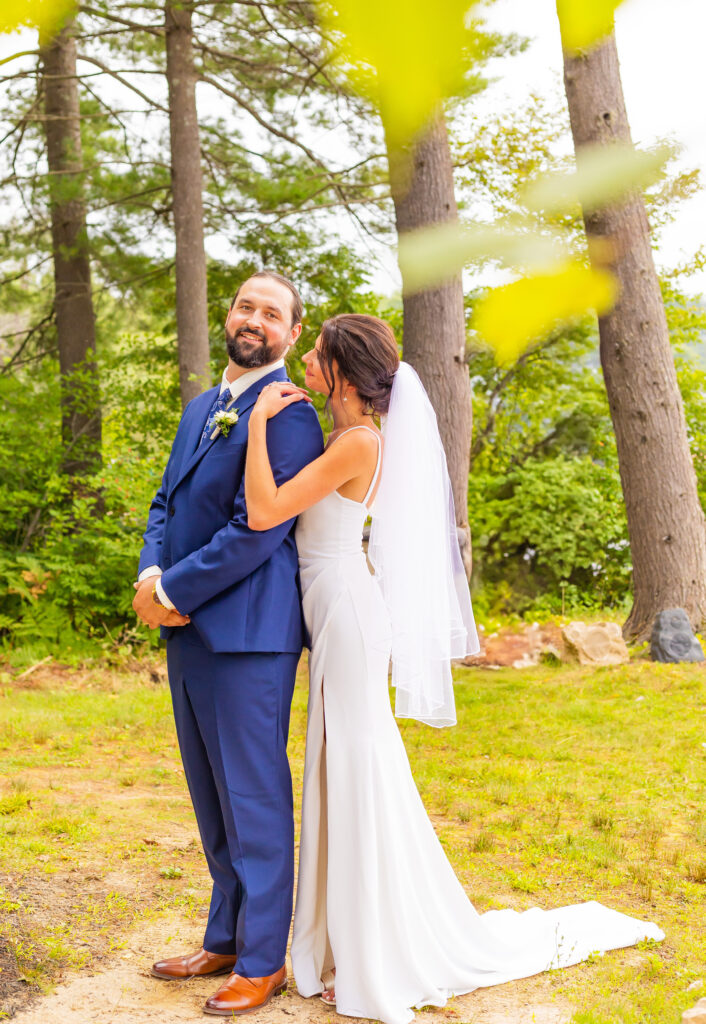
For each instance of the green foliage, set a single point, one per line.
(551, 524)
(68, 552)
(545, 503)
(46, 15)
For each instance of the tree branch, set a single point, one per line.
(138, 26)
(128, 85)
(278, 133)
(14, 56)
(23, 273)
(28, 335)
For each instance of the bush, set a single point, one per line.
(551, 526)
(68, 550)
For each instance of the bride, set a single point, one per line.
(382, 924)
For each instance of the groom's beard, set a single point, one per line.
(251, 354)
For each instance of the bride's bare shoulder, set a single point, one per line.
(355, 438)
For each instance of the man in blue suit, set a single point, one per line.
(228, 601)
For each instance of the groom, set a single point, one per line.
(227, 599)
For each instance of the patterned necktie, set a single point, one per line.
(223, 400)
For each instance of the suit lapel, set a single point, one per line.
(201, 408)
(196, 451)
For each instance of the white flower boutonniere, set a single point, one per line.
(223, 421)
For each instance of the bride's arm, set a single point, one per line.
(267, 504)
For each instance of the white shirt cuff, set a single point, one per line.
(162, 596)
(151, 570)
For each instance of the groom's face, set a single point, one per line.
(259, 327)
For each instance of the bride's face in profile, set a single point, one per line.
(314, 378)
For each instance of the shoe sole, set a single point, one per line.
(251, 1009)
(188, 977)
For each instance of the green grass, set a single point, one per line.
(559, 784)
(583, 784)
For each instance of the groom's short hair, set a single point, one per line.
(297, 305)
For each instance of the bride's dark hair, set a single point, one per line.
(365, 350)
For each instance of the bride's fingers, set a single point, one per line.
(295, 397)
(287, 385)
(292, 389)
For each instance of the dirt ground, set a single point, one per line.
(122, 991)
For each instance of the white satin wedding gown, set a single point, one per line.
(377, 897)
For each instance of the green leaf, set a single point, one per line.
(407, 57)
(46, 15)
(513, 316)
(585, 23)
(604, 174)
(432, 255)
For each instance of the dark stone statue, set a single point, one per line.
(672, 638)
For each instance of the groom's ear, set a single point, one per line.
(296, 331)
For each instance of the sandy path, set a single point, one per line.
(123, 992)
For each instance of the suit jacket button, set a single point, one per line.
(172, 510)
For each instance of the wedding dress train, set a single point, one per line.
(377, 897)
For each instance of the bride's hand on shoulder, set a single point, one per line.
(277, 396)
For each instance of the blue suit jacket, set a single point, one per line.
(240, 586)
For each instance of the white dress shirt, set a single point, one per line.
(237, 388)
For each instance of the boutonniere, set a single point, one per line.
(223, 421)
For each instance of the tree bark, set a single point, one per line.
(434, 325)
(191, 289)
(665, 518)
(73, 304)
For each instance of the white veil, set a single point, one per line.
(415, 553)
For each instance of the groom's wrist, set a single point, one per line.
(159, 596)
(151, 570)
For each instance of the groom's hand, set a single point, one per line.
(151, 613)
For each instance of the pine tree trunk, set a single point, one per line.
(665, 518)
(75, 321)
(434, 326)
(191, 292)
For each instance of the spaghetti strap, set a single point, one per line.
(362, 426)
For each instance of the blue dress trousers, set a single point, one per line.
(231, 670)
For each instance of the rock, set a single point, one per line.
(696, 1015)
(596, 643)
(508, 647)
(672, 638)
(699, 981)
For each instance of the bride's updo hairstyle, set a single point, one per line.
(365, 350)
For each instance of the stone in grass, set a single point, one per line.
(596, 643)
(696, 1015)
(672, 639)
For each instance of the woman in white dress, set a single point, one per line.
(378, 905)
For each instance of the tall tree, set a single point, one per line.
(422, 188)
(73, 303)
(665, 518)
(187, 203)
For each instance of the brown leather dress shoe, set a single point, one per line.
(243, 995)
(193, 965)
